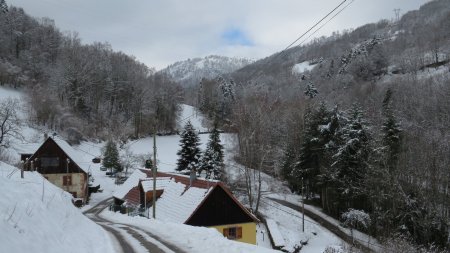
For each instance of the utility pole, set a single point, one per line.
(303, 209)
(154, 174)
(397, 14)
(67, 175)
(22, 168)
(145, 204)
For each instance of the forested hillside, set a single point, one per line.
(84, 90)
(363, 118)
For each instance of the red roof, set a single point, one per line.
(204, 184)
(133, 196)
(198, 182)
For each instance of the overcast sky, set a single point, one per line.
(161, 32)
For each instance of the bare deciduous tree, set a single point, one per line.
(9, 121)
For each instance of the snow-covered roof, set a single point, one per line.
(161, 183)
(72, 153)
(178, 203)
(27, 148)
(130, 183)
(180, 198)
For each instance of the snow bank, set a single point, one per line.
(192, 239)
(277, 238)
(37, 216)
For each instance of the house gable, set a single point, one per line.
(50, 158)
(219, 208)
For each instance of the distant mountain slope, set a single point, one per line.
(191, 71)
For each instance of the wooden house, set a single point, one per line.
(195, 202)
(59, 163)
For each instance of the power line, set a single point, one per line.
(311, 28)
(187, 117)
(316, 24)
(326, 22)
(85, 152)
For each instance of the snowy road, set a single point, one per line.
(130, 239)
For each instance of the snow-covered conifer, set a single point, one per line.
(212, 159)
(3, 6)
(391, 133)
(189, 154)
(111, 157)
(310, 90)
(351, 159)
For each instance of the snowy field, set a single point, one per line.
(37, 216)
(189, 113)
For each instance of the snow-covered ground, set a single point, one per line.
(189, 113)
(289, 221)
(37, 216)
(167, 146)
(359, 236)
(193, 239)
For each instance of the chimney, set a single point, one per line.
(192, 177)
(45, 136)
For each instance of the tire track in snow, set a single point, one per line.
(148, 240)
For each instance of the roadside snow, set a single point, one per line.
(275, 233)
(289, 224)
(361, 237)
(37, 216)
(192, 239)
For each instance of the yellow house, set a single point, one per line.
(222, 211)
(195, 202)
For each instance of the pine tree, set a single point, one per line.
(310, 90)
(3, 6)
(212, 159)
(189, 153)
(287, 167)
(111, 157)
(352, 158)
(391, 133)
(313, 150)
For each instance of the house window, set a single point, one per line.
(47, 162)
(233, 232)
(67, 180)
